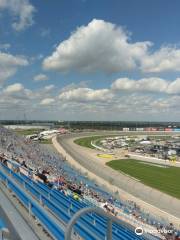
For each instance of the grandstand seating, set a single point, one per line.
(49, 224)
(90, 226)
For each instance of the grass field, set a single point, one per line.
(164, 179)
(86, 141)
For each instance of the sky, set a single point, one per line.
(90, 60)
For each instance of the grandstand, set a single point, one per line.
(33, 208)
(43, 204)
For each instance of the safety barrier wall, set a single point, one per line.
(151, 129)
(97, 147)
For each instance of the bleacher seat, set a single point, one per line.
(90, 226)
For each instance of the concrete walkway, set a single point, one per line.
(18, 227)
(125, 187)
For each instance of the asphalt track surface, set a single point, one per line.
(168, 205)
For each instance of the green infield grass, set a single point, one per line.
(163, 178)
(86, 141)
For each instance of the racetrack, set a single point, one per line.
(128, 187)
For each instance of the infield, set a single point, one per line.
(164, 179)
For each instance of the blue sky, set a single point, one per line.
(90, 60)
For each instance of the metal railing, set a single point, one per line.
(74, 219)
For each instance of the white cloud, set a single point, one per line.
(86, 94)
(49, 87)
(165, 59)
(40, 77)
(72, 86)
(87, 103)
(174, 87)
(127, 106)
(16, 99)
(166, 103)
(47, 101)
(22, 10)
(151, 84)
(104, 47)
(16, 92)
(17, 87)
(144, 85)
(99, 46)
(9, 65)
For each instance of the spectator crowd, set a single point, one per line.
(45, 165)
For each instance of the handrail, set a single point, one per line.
(99, 211)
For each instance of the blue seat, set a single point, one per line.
(71, 205)
(82, 227)
(90, 226)
(47, 222)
